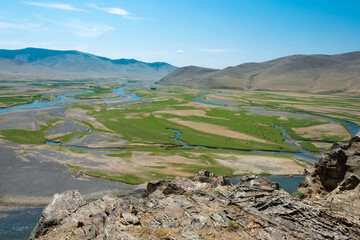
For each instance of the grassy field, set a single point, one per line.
(144, 127)
(16, 100)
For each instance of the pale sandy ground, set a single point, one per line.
(329, 109)
(283, 118)
(216, 129)
(257, 164)
(240, 163)
(142, 161)
(39, 171)
(88, 159)
(81, 115)
(277, 101)
(293, 94)
(197, 105)
(200, 113)
(322, 144)
(316, 132)
(109, 95)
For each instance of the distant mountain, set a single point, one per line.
(300, 73)
(36, 63)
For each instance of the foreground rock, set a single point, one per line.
(336, 178)
(207, 207)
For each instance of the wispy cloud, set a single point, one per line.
(111, 10)
(20, 26)
(179, 51)
(62, 6)
(83, 29)
(215, 50)
(116, 11)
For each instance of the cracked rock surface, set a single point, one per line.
(206, 207)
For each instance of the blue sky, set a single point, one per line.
(209, 33)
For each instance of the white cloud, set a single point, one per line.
(214, 50)
(116, 11)
(180, 51)
(112, 10)
(88, 29)
(62, 6)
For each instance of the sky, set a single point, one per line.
(207, 33)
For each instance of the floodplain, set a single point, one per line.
(131, 132)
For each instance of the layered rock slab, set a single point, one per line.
(207, 207)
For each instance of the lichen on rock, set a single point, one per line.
(205, 207)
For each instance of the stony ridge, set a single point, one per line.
(205, 207)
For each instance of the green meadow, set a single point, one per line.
(144, 126)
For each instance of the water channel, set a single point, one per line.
(63, 99)
(18, 223)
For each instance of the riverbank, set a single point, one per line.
(288, 182)
(131, 142)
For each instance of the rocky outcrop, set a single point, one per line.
(206, 207)
(334, 172)
(61, 207)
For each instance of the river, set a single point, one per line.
(18, 223)
(305, 155)
(63, 99)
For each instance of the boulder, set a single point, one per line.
(205, 176)
(61, 207)
(162, 187)
(339, 169)
(331, 168)
(350, 183)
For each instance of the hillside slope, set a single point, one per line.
(30, 63)
(301, 73)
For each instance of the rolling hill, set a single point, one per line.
(36, 63)
(299, 73)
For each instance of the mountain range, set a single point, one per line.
(37, 63)
(299, 73)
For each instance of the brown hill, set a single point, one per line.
(300, 73)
